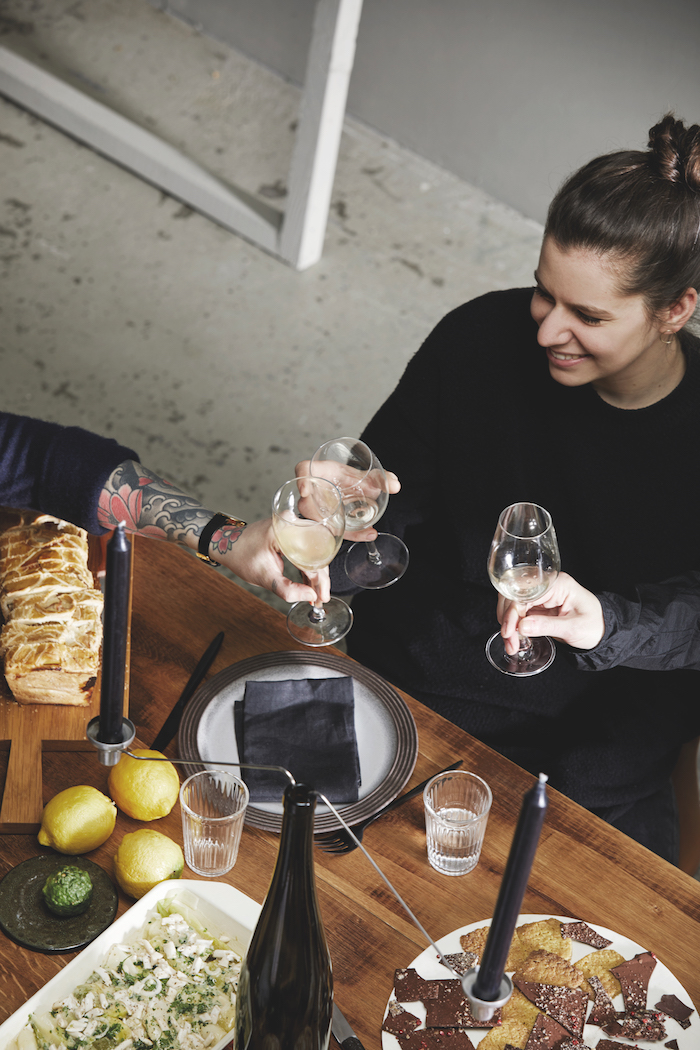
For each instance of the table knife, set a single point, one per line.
(343, 1032)
(172, 722)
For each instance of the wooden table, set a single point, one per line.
(583, 867)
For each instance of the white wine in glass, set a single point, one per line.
(523, 564)
(308, 520)
(351, 465)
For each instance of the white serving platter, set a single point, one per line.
(223, 909)
(662, 982)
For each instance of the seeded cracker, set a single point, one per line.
(519, 1008)
(510, 1032)
(545, 934)
(598, 964)
(545, 968)
(476, 941)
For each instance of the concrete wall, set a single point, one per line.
(510, 95)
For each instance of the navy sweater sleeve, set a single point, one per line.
(659, 632)
(55, 469)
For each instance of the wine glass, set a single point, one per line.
(351, 465)
(308, 520)
(523, 564)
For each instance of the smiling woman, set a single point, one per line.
(595, 334)
(583, 397)
(620, 267)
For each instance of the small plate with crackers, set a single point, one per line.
(576, 987)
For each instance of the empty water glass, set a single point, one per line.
(213, 805)
(457, 806)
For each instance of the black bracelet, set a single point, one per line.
(217, 522)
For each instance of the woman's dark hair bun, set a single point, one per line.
(677, 151)
(643, 206)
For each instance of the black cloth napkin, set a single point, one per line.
(306, 725)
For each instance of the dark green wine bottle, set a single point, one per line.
(285, 991)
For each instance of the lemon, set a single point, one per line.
(77, 820)
(145, 858)
(144, 790)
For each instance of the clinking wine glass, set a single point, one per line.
(308, 520)
(523, 564)
(351, 465)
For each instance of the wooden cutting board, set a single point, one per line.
(27, 730)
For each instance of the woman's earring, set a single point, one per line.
(669, 340)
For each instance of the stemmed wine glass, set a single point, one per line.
(523, 564)
(351, 465)
(308, 520)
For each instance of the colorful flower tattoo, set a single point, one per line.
(150, 505)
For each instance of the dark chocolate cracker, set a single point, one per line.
(411, 1040)
(611, 1044)
(603, 1010)
(449, 1008)
(436, 1039)
(672, 1005)
(546, 1034)
(672, 1044)
(585, 934)
(565, 1005)
(410, 987)
(399, 1021)
(638, 1024)
(461, 962)
(633, 976)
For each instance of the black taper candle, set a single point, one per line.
(115, 637)
(487, 985)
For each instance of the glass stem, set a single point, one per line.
(372, 553)
(317, 613)
(525, 649)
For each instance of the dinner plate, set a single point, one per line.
(662, 982)
(387, 739)
(219, 907)
(25, 917)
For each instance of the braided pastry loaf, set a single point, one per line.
(53, 629)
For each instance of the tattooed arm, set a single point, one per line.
(153, 507)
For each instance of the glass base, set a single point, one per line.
(323, 625)
(378, 563)
(538, 659)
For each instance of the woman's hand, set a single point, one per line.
(342, 473)
(568, 613)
